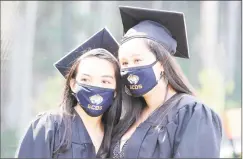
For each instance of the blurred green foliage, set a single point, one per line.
(211, 89)
(9, 142)
(52, 93)
(214, 91)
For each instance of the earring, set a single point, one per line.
(162, 74)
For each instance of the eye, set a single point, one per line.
(124, 63)
(106, 82)
(137, 60)
(84, 80)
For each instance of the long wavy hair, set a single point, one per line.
(133, 106)
(110, 118)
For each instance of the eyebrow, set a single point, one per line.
(136, 54)
(107, 76)
(85, 74)
(132, 55)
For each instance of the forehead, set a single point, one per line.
(95, 66)
(134, 47)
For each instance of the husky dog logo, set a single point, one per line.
(133, 79)
(96, 99)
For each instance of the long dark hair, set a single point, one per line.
(133, 106)
(110, 118)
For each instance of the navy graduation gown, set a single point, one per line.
(44, 134)
(189, 130)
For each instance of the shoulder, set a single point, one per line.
(49, 120)
(192, 105)
(191, 109)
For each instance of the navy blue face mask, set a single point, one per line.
(94, 100)
(139, 80)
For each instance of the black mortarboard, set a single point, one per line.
(102, 39)
(165, 27)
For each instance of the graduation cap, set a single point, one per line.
(165, 27)
(101, 39)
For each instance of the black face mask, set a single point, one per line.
(94, 100)
(139, 80)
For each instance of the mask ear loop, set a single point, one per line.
(162, 74)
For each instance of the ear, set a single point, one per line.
(158, 68)
(72, 84)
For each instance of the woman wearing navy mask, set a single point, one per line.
(91, 105)
(162, 118)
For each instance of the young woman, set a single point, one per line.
(163, 118)
(91, 106)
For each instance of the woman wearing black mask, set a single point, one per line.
(162, 118)
(91, 105)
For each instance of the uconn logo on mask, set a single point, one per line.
(133, 80)
(96, 100)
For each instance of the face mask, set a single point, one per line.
(139, 80)
(94, 100)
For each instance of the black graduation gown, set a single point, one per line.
(190, 130)
(43, 137)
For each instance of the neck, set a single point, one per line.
(89, 121)
(156, 97)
